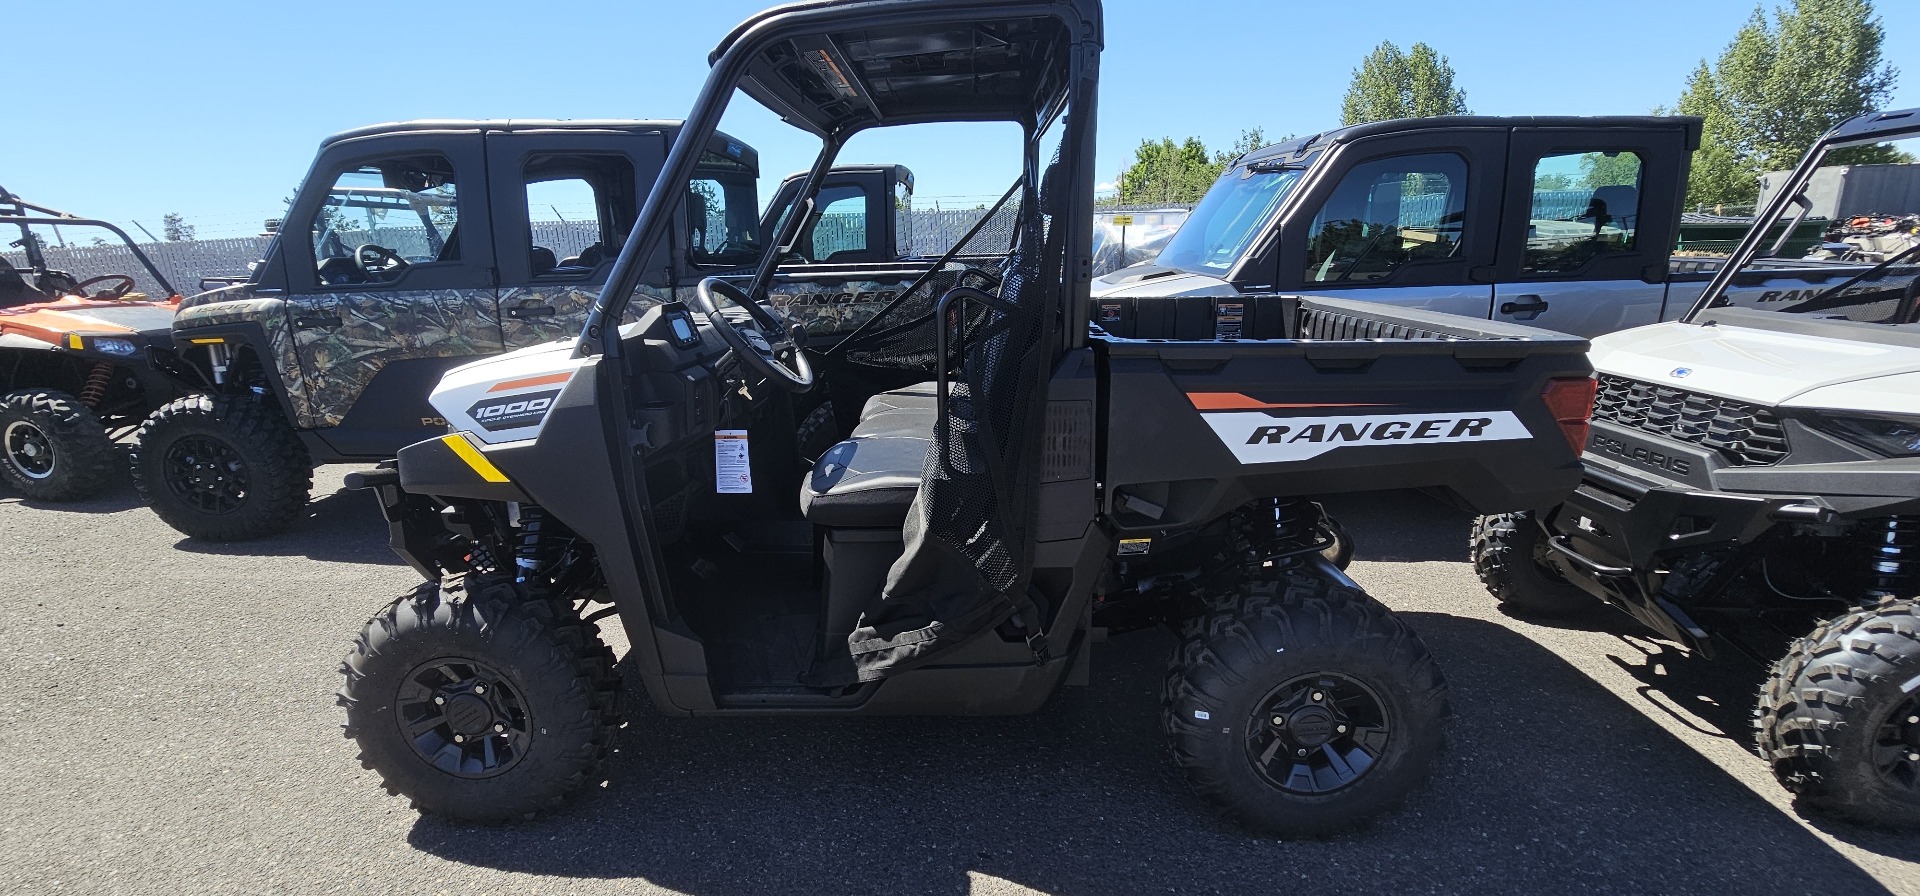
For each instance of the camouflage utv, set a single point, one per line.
(414, 247)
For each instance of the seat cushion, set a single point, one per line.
(869, 480)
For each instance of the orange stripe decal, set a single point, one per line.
(530, 382)
(1235, 401)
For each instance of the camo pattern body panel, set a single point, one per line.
(237, 304)
(377, 329)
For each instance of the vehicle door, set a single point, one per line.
(1409, 220)
(1588, 227)
(563, 204)
(390, 282)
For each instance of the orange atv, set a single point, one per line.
(82, 362)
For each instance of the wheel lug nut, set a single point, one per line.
(1340, 729)
(1913, 757)
(1317, 696)
(1913, 720)
(500, 727)
(1300, 752)
(1279, 721)
(459, 738)
(479, 688)
(439, 701)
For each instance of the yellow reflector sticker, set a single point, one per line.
(214, 341)
(474, 458)
(73, 342)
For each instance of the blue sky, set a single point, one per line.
(213, 109)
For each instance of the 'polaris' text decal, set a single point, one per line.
(512, 412)
(1258, 438)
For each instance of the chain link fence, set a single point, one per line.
(924, 233)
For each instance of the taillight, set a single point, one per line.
(1570, 401)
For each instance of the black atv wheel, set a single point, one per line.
(222, 469)
(1303, 707)
(479, 702)
(1509, 555)
(53, 447)
(1839, 719)
(817, 433)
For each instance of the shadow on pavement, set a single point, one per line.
(1553, 785)
(343, 527)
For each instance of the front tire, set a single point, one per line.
(222, 469)
(1839, 719)
(1509, 552)
(53, 447)
(1303, 707)
(480, 702)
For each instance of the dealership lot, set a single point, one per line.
(168, 726)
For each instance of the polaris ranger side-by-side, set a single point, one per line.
(1015, 481)
(1566, 223)
(1753, 479)
(417, 246)
(80, 360)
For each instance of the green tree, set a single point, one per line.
(1389, 83)
(175, 228)
(1165, 171)
(1599, 169)
(1779, 85)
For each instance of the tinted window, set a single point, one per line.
(380, 218)
(579, 208)
(723, 226)
(1585, 205)
(842, 222)
(1388, 213)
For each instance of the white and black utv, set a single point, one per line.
(1753, 479)
(1014, 481)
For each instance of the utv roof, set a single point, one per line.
(744, 153)
(1889, 125)
(837, 66)
(1300, 146)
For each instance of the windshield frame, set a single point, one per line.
(1865, 130)
(1245, 231)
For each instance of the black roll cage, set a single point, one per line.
(26, 215)
(732, 64)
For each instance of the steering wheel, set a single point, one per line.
(369, 257)
(122, 284)
(762, 344)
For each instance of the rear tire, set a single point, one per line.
(221, 468)
(529, 699)
(1507, 555)
(1368, 741)
(53, 447)
(1839, 719)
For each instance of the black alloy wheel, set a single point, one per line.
(1318, 733)
(463, 717)
(1896, 746)
(53, 447)
(207, 475)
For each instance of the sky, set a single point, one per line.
(213, 109)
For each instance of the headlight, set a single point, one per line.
(1887, 435)
(121, 347)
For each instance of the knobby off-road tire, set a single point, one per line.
(222, 468)
(53, 447)
(1370, 736)
(528, 687)
(1507, 550)
(1839, 719)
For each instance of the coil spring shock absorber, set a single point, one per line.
(1893, 557)
(95, 390)
(528, 551)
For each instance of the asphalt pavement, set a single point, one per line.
(167, 725)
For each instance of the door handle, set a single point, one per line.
(316, 321)
(1527, 308)
(526, 311)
